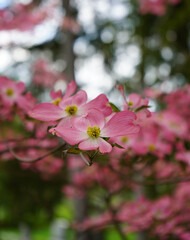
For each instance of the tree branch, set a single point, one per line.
(30, 160)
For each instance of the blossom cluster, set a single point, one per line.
(15, 101)
(156, 7)
(44, 74)
(158, 155)
(145, 151)
(25, 17)
(14, 98)
(89, 125)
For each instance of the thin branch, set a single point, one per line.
(30, 160)
(84, 159)
(165, 181)
(175, 180)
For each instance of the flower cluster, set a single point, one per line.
(44, 74)
(12, 96)
(156, 157)
(89, 125)
(156, 7)
(25, 17)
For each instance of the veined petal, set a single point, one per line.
(71, 88)
(100, 103)
(134, 99)
(93, 118)
(47, 112)
(120, 124)
(104, 147)
(96, 118)
(70, 135)
(89, 144)
(79, 98)
(80, 123)
(56, 94)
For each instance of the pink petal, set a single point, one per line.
(100, 103)
(47, 112)
(80, 123)
(65, 122)
(93, 118)
(79, 98)
(20, 87)
(96, 118)
(71, 136)
(104, 147)
(120, 124)
(135, 99)
(71, 88)
(89, 144)
(56, 94)
(23, 103)
(121, 89)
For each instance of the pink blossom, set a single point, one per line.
(89, 132)
(73, 106)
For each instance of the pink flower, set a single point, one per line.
(10, 91)
(135, 102)
(89, 132)
(73, 106)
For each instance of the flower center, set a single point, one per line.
(152, 147)
(93, 132)
(124, 139)
(71, 110)
(9, 92)
(56, 101)
(130, 103)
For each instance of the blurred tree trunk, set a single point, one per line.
(81, 205)
(24, 231)
(69, 40)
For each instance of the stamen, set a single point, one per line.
(56, 101)
(71, 110)
(124, 139)
(130, 103)
(9, 92)
(93, 132)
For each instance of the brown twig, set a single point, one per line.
(30, 160)
(175, 180)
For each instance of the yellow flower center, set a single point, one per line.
(124, 139)
(93, 132)
(9, 92)
(71, 110)
(151, 147)
(56, 101)
(173, 125)
(130, 103)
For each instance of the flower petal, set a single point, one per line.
(100, 103)
(89, 144)
(120, 124)
(93, 118)
(71, 88)
(71, 136)
(79, 98)
(134, 99)
(47, 112)
(104, 147)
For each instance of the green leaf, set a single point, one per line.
(114, 108)
(142, 107)
(74, 150)
(117, 145)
